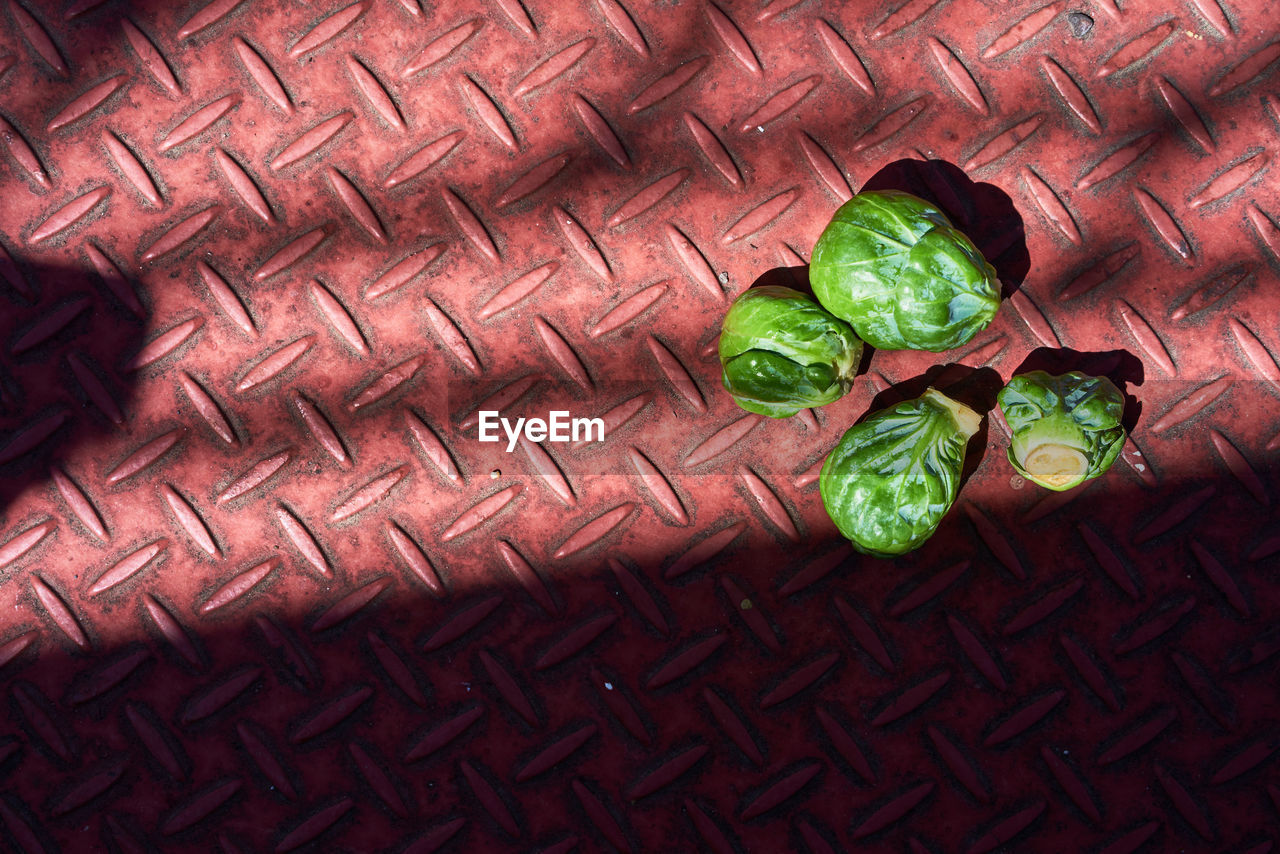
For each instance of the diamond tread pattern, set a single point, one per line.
(261, 264)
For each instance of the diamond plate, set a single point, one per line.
(262, 264)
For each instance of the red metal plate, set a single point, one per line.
(262, 263)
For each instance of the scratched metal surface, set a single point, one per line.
(262, 589)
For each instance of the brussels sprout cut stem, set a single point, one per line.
(1066, 429)
(1056, 466)
(967, 421)
(889, 480)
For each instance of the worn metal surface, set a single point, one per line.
(261, 587)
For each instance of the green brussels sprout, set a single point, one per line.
(1066, 429)
(904, 277)
(782, 352)
(889, 480)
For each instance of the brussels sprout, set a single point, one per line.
(782, 352)
(1066, 429)
(906, 279)
(889, 480)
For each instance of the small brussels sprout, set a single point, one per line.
(889, 480)
(1066, 429)
(904, 277)
(782, 352)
